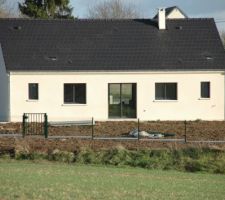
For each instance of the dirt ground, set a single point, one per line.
(195, 130)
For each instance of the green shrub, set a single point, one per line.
(86, 157)
(62, 156)
(193, 166)
(143, 161)
(191, 159)
(116, 157)
(194, 153)
(5, 156)
(23, 155)
(218, 168)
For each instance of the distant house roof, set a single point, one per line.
(90, 45)
(169, 10)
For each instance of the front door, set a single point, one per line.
(122, 100)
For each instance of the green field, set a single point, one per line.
(51, 180)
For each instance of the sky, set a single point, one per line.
(148, 8)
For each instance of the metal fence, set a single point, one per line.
(35, 124)
(184, 131)
(115, 130)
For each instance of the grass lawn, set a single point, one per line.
(49, 180)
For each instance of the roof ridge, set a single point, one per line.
(78, 19)
(190, 19)
(102, 20)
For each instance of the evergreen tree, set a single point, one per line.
(45, 9)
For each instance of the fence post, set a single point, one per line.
(138, 129)
(24, 124)
(92, 127)
(46, 125)
(185, 131)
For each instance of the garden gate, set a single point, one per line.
(35, 124)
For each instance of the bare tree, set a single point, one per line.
(113, 9)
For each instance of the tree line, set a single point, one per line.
(61, 9)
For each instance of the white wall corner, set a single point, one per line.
(4, 90)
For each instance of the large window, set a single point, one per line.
(33, 91)
(75, 93)
(205, 89)
(166, 91)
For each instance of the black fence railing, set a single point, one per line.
(35, 124)
(174, 131)
(126, 130)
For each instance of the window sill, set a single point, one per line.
(73, 104)
(32, 100)
(165, 101)
(204, 99)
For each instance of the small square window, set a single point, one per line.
(205, 89)
(166, 91)
(33, 91)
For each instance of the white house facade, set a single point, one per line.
(149, 69)
(137, 102)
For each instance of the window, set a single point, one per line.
(75, 93)
(33, 91)
(205, 89)
(122, 100)
(166, 91)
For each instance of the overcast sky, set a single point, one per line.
(148, 8)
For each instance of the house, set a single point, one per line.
(173, 12)
(164, 69)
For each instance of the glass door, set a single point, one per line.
(114, 100)
(122, 100)
(128, 100)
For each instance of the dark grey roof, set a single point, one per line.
(169, 10)
(187, 44)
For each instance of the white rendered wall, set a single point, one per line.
(4, 90)
(162, 18)
(189, 106)
(176, 14)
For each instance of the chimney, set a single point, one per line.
(162, 18)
